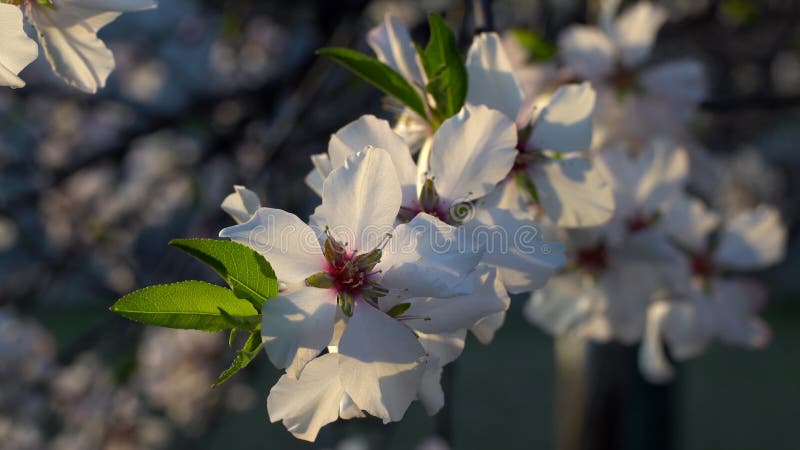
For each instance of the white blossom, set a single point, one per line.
(619, 268)
(468, 156)
(713, 306)
(634, 99)
(67, 31)
(566, 185)
(569, 189)
(355, 268)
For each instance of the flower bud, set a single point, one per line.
(334, 252)
(322, 280)
(365, 262)
(345, 301)
(428, 197)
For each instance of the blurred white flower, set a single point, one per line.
(67, 31)
(746, 181)
(616, 270)
(634, 100)
(713, 306)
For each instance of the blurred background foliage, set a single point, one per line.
(208, 94)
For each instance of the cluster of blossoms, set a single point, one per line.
(491, 182)
(665, 271)
(403, 258)
(366, 324)
(67, 31)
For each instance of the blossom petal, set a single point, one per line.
(18, 49)
(653, 361)
(439, 315)
(733, 306)
(663, 170)
(752, 239)
(412, 128)
(290, 246)
(348, 408)
(630, 282)
(297, 326)
(315, 181)
(686, 328)
(508, 195)
(381, 363)
(369, 131)
(565, 124)
(242, 204)
(430, 392)
(652, 251)
(360, 200)
(322, 168)
(393, 45)
(472, 152)
(307, 404)
(681, 80)
(635, 31)
(445, 347)
(514, 245)
(689, 222)
(570, 304)
(487, 327)
(573, 192)
(68, 35)
(587, 51)
(431, 253)
(491, 76)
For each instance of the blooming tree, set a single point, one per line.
(427, 225)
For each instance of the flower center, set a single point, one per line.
(351, 275)
(641, 221)
(702, 265)
(594, 259)
(624, 81)
(429, 202)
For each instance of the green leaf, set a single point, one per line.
(379, 75)
(447, 75)
(245, 270)
(191, 305)
(248, 352)
(538, 48)
(251, 323)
